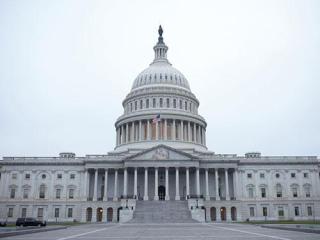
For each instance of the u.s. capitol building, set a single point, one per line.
(160, 169)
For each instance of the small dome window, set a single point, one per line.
(160, 76)
(165, 77)
(43, 176)
(171, 77)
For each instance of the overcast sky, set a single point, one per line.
(66, 66)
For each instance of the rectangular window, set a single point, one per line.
(147, 103)
(58, 193)
(263, 192)
(305, 175)
(24, 212)
(56, 212)
(161, 103)
(42, 192)
(309, 210)
(72, 176)
(153, 102)
(10, 212)
(135, 105)
(265, 211)
(12, 193)
(140, 104)
(250, 190)
(40, 213)
(294, 192)
(261, 175)
(14, 176)
(293, 175)
(174, 103)
(280, 212)
(296, 211)
(25, 193)
(180, 104)
(59, 176)
(185, 106)
(251, 210)
(71, 192)
(27, 176)
(168, 102)
(70, 212)
(249, 175)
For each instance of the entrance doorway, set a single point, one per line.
(89, 214)
(162, 193)
(99, 214)
(223, 214)
(109, 214)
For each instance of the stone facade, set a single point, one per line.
(160, 155)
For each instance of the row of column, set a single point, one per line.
(156, 194)
(179, 130)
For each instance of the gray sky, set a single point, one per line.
(66, 66)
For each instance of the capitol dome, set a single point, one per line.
(160, 109)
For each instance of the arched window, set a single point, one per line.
(279, 190)
(161, 102)
(250, 189)
(168, 102)
(307, 190)
(147, 103)
(294, 190)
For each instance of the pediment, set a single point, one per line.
(161, 152)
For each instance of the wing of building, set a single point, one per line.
(160, 169)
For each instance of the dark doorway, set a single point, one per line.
(89, 214)
(213, 214)
(223, 213)
(109, 214)
(118, 214)
(99, 214)
(233, 214)
(162, 192)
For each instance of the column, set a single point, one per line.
(145, 197)
(135, 184)
(117, 137)
(122, 135)
(235, 183)
(157, 130)
(173, 130)
(85, 194)
(148, 130)
(187, 183)
(105, 194)
(177, 185)
(199, 134)
(165, 129)
(198, 182)
(125, 182)
(189, 132)
(207, 185)
(227, 183)
(95, 188)
(167, 197)
(204, 136)
(132, 132)
(156, 194)
(115, 195)
(216, 173)
(181, 130)
(140, 130)
(127, 132)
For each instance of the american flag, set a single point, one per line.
(156, 119)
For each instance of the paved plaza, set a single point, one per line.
(196, 231)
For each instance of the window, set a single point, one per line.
(296, 211)
(147, 103)
(168, 102)
(72, 176)
(265, 211)
(25, 193)
(307, 191)
(10, 212)
(277, 175)
(249, 175)
(59, 176)
(161, 102)
(43, 176)
(251, 210)
(279, 191)
(185, 105)
(12, 193)
(14, 176)
(280, 212)
(131, 107)
(24, 212)
(180, 104)
(293, 175)
(261, 175)
(263, 192)
(71, 193)
(27, 176)
(250, 192)
(305, 175)
(295, 191)
(174, 103)
(70, 212)
(40, 213)
(153, 102)
(42, 191)
(56, 212)
(135, 105)
(140, 104)
(309, 211)
(58, 193)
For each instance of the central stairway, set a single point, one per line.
(162, 212)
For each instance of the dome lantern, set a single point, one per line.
(160, 49)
